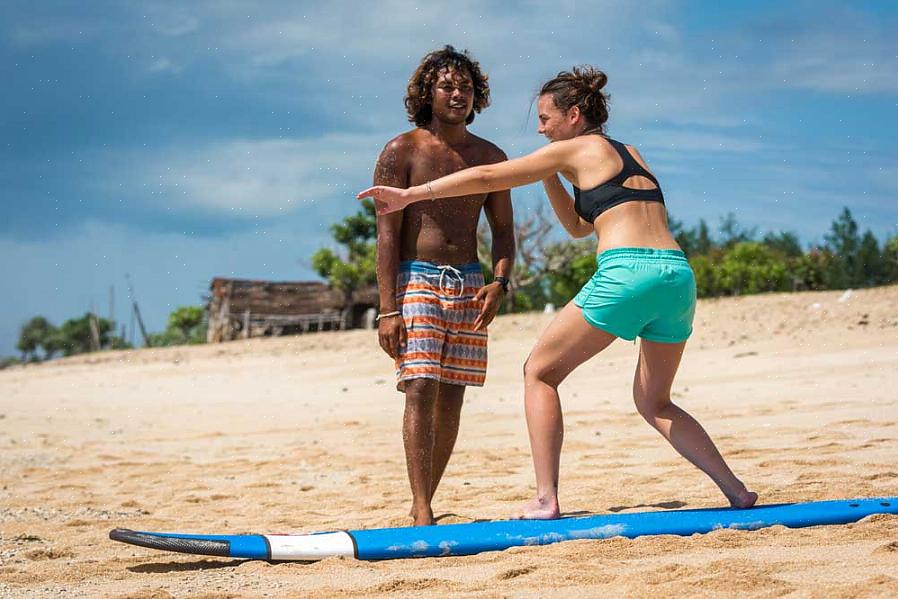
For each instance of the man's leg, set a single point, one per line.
(446, 417)
(418, 437)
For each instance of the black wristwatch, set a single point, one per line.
(502, 281)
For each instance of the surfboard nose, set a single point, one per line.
(178, 543)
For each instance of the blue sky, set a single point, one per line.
(181, 141)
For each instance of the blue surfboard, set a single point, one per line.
(497, 535)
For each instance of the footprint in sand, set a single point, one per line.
(887, 549)
(514, 573)
(37, 555)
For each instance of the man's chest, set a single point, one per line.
(427, 165)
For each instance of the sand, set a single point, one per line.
(303, 433)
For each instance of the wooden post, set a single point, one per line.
(136, 311)
(246, 324)
(94, 332)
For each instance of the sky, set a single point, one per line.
(179, 141)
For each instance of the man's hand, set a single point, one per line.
(391, 334)
(491, 295)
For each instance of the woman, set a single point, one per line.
(643, 285)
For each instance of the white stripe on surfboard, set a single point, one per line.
(310, 547)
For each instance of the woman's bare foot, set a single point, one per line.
(743, 499)
(539, 509)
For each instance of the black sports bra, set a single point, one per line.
(590, 203)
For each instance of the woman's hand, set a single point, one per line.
(387, 199)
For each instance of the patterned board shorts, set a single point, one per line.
(439, 310)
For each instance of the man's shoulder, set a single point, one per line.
(405, 142)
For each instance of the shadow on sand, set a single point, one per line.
(667, 505)
(166, 567)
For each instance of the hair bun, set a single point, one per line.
(591, 78)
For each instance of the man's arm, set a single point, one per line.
(500, 216)
(391, 169)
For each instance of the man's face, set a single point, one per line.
(453, 96)
(555, 124)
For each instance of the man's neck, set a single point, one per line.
(451, 134)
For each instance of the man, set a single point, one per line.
(434, 307)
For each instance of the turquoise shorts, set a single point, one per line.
(641, 292)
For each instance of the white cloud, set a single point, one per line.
(164, 65)
(841, 65)
(833, 48)
(244, 178)
(172, 21)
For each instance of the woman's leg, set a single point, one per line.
(566, 343)
(658, 363)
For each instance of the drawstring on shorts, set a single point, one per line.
(451, 276)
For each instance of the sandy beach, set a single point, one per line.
(301, 434)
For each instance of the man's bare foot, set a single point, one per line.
(422, 517)
(539, 509)
(744, 499)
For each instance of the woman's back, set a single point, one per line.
(619, 194)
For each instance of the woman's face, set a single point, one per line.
(554, 123)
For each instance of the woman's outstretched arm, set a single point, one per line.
(479, 179)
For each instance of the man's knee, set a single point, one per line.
(422, 391)
(449, 401)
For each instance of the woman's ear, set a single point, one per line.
(573, 114)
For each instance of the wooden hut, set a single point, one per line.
(245, 308)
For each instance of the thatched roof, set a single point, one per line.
(284, 297)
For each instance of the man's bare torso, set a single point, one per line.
(444, 232)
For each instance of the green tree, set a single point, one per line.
(785, 242)
(75, 335)
(356, 265)
(37, 333)
(685, 237)
(9, 361)
(188, 320)
(185, 319)
(843, 242)
(185, 326)
(704, 243)
(813, 270)
(870, 266)
(890, 260)
(751, 267)
(705, 271)
(572, 262)
(695, 241)
(731, 232)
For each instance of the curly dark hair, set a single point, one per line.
(419, 96)
(581, 87)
